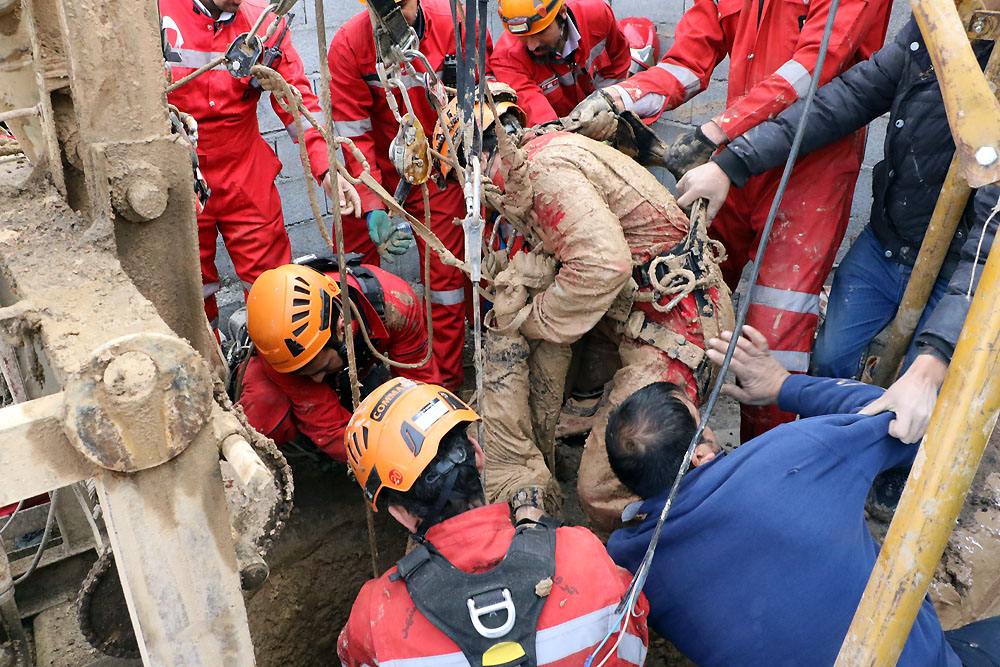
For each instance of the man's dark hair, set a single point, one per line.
(466, 493)
(647, 436)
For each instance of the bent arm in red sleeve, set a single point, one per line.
(612, 65)
(699, 46)
(352, 110)
(507, 67)
(781, 89)
(290, 67)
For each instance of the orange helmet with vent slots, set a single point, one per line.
(395, 433)
(291, 312)
(527, 17)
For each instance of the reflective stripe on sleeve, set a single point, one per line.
(292, 131)
(795, 362)
(784, 299)
(797, 76)
(451, 297)
(632, 650)
(352, 128)
(208, 289)
(567, 79)
(194, 59)
(688, 79)
(596, 51)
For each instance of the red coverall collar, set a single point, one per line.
(453, 535)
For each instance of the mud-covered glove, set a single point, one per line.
(690, 150)
(534, 271)
(388, 239)
(595, 116)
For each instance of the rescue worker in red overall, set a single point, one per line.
(362, 114)
(772, 46)
(476, 590)
(237, 163)
(297, 381)
(557, 53)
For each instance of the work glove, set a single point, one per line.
(708, 181)
(533, 270)
(388, 239)
(690, 150)
(594, 117)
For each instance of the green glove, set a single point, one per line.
(389, 239)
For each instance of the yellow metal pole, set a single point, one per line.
(973, 110)
(941, 230)
(963, 419)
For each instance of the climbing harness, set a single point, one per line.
(493, 615)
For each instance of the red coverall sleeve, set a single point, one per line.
(291, 68)
(617, 52)
(316, 412)
(530, 97)
(354, 646)
(791, 80)
(699, 46)
(352, 113)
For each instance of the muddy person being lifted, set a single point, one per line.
(602, 245)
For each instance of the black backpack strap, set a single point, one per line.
(492, 614)
(371, 288)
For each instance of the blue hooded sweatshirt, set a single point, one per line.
(765, 552)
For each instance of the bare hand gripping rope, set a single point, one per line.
(639, 579)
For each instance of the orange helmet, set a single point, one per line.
(291, 312)
(505, 99)
(527, 17)
(395, 433)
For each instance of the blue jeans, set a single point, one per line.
(867, 290)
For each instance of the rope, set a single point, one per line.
(642, 572)
(215, 62)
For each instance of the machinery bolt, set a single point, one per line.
(130, 376)
(986, 156)
(146, 200)
(978, 26)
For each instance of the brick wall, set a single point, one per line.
(664, 13)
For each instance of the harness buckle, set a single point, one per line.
(504, 604)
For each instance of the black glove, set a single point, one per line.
(690, 150)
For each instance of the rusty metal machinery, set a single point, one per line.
(104, 346)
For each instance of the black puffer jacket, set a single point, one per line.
(898, 78)
(941, 331)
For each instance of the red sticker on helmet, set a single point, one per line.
(395, 477)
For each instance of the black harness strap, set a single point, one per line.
(486, 612)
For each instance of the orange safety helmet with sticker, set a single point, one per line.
(527, 17)
(395, 433)
(449, 138)
(291, 312)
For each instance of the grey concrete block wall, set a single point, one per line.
(664, 13)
